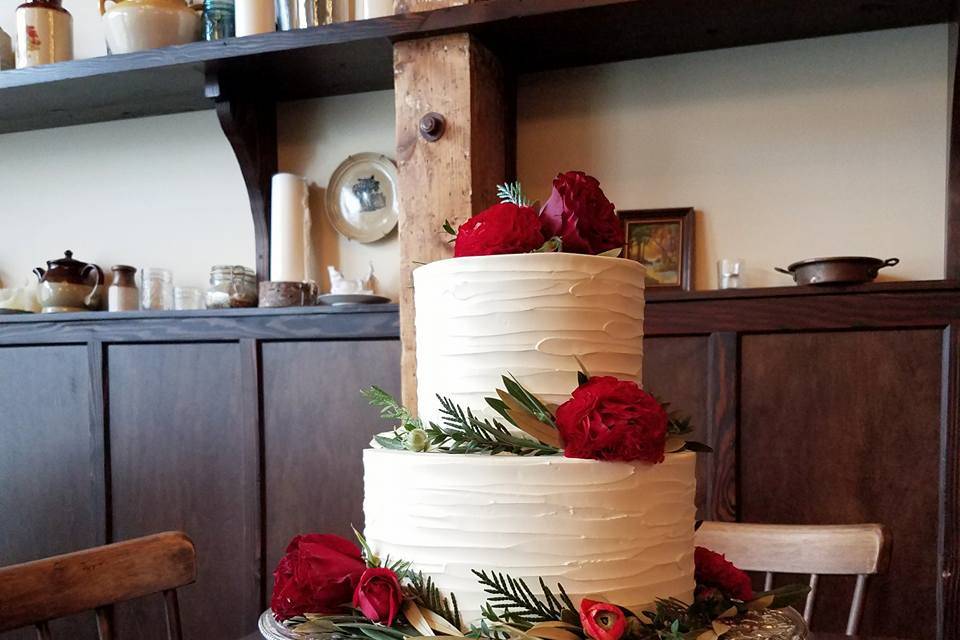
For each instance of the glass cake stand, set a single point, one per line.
(769, 624)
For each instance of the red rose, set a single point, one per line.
(714, 571)
(378, 595)
(317, 575)
(503, 228)
(610, 419)
(579, 213)
(601, 620)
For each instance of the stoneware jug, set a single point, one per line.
(136, 25)
(44, 33)
(69, 285)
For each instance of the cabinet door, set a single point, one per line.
(840, 428)
(47, 503)
(182, 459)
(316, 425)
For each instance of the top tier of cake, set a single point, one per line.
(530, 315)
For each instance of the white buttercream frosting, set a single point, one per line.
(530, 315)
(623, 531)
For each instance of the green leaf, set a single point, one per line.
(368, 554)
(390, 442)
(449, 228)
(553, 245)
(693, 445)
(785, 596)
(582, 378)
(612, 253)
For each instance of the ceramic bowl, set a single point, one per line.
(135, 28)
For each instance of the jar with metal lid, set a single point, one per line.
(231, 286)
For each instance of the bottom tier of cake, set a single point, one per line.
(620, 531)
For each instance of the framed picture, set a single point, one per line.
(662, 241)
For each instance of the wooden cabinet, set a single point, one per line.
(239, 428)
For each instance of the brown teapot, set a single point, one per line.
(69, 285)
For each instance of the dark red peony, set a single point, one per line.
(318, 574)
(601, 620)
(715, 572)
(579, 213)
(378, 595)
(611, 419)
(503, 228)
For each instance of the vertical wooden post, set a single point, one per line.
(455, 176)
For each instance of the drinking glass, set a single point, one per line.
(730, 273)
(156, 289)
(188, 298)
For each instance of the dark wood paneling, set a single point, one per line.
(179, 439)
(844, 428)
(316, 426)
(46, 479)
(723, 408)
(675, 370)
(948, 596)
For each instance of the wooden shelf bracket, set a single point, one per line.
(250, 125)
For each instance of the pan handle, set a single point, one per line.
(782, 270)
(890, 262)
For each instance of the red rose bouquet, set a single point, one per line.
(715, 573)
(318, 574)
(577, 218)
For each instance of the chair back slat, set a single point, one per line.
(171, 607)
(43, 631)
(856, 607)
(60, 586)
(808, 607)
(768, 581)
(104, 623)
(822, 549)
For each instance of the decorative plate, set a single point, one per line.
(338, 299)
(362, 197)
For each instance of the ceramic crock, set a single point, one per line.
(136, 25)
(69, 285)
(44, 33)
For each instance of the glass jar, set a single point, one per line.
(231, 286)
(218, 19)
(156, 289)
(188, 299)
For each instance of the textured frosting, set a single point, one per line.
(620, 530)
(531, 315)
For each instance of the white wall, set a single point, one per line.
(828, 146)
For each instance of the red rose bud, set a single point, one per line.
(580, 214)
(714, 571)
(503, 228)
(378, 595)
(601, 620)
(317, 575)
(611, 419)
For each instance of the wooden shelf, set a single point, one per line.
(528, 35)
(886, 287)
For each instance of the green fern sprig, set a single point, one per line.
(512, 192)
(390, 408)
(427, 594)
(512, 601)
(463, 432)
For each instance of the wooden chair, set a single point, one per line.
(859, 550)
(36, 592)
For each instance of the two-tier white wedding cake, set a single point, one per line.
(616, 530)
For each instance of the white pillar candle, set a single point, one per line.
(374, 9)
(255, 16)
(289, 228)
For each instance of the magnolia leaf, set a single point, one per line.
(413, 615)
(582, 378)
(551, 407)
(439, 623)
(315, 626)
(553, 245)
(729, 613)
(559, 624)
(709, 634)
(699, 447)
(763, 602)
(528, 423)
(552, 633)
(719, 628)
(785, 596)
(583, 369)
(674, 444)
(612, 253)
